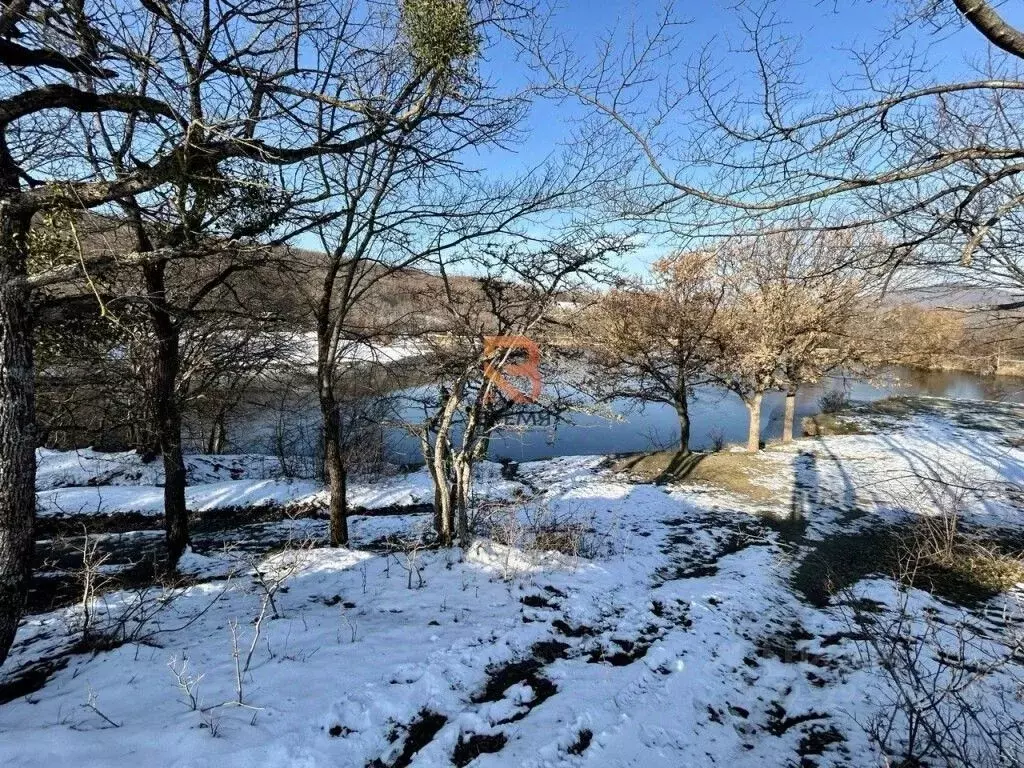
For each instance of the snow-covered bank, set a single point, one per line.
(88, 482)
(672, 637)
(87, 467)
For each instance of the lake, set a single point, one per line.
(717, 413)
(714, 414)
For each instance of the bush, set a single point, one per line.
(440, 32)
(941, 551)
(717, 440)
(834, 401)
(536, 528)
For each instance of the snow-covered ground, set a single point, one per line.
(87, 482)
(672, 636)
(358, 352)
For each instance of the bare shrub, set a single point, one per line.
(92, 704)
(940, 547)
(269, 579)
(294, 443)
(405, 550)
(951, 680)
(834, 401)
(949, 692)
(94, 581)
(937, 545)
(717, 440)
(140, 615)
(107, 616)
(187, 681)
(534, 527)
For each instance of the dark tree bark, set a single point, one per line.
(17, 420)
(143, 155)
(683, 414)
(167, 414)
(996, 30)
(335, 471)
(218, 433)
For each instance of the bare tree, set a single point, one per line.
(833, 297)
(390, 223)
(919, 336)
(784, 318)
(199, 94)
(720, 143)
(485, 357)
(409, 203)
(229, 352)
(652, 338)
(948, 691)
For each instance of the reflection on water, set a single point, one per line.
(957, 385)
(714, 414)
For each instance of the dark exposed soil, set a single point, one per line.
(627, 652)
(504, 676)
(468, 749)
(579, 746)
(815, 742)
(779, 721)
(419, 733)
(731, 535)
(538, 601)
(132, 544)
(580, 631)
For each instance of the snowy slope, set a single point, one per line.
(90, 483)
(678, 641)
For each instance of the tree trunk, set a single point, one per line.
(463, 489)
(754, 429)
(790, 415)
(166, 362)
(683, 413)
(335, 471)
(439, 457)
(435, 481)
(17, 428)
(218, 434)
(443, 511)
(444, 507)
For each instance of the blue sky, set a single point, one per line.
(824, 31)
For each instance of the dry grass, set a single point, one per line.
(536, 528)
(935, 554)
(940, 549)
(731, 471)
(961, 568)
(568, 539)
(825, 424)
(988, 569)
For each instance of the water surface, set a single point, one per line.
(715, 415)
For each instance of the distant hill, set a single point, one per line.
(952, 296)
